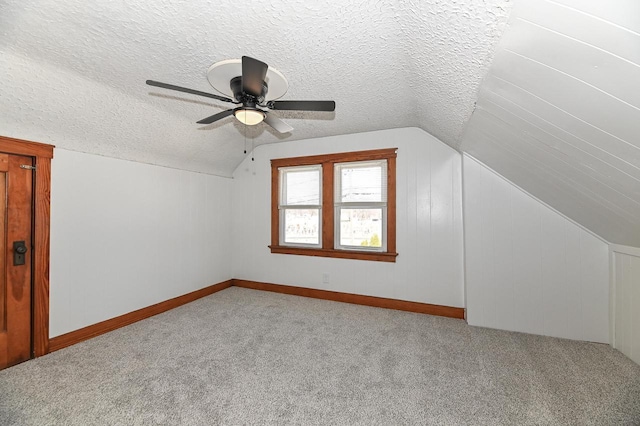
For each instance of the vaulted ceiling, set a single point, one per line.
(559, 111)
(547, 95)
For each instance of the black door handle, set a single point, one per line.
(19, 250)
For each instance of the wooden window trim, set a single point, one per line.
(42, 155)
(327, 161)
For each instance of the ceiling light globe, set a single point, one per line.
(250, 117)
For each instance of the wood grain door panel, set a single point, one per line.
(16, 212)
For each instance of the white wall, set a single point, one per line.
(126, 235)
(528, 268)
(626, 297)
(429, 267)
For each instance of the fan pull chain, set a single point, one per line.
(253, 140)
(245, 138)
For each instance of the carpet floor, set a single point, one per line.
(243, 356)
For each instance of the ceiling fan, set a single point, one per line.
(250, 90)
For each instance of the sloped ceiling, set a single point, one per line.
(559, 111)
(558, 96)
(73, 72)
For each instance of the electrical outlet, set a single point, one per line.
(325, 278)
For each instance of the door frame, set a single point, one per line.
(42, 155)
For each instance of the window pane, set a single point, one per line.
(301, 187)
(361, 227)
(301, 226)
(364, 182)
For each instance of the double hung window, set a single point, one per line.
(300, 206)
(335, 205)
(360, 203)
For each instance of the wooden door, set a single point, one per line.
(16, 186)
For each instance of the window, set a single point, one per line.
(335, 205)
(300, 205)
(360, 202)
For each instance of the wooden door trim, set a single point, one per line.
(42, 155)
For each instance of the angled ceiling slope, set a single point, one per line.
(73, 72)
(559, 111)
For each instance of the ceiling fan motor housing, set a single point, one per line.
(247, 98)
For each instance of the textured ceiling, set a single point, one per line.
(73, 72)
(559, 111)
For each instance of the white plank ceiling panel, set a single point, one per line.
(591, 137)
(528, 157)
(536, 178)
(559, 111)
(574, 161)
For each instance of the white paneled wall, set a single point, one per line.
(626, 296)
(528, 268)
(127, 235)
(429, 267)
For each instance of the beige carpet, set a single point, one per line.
(249, 357)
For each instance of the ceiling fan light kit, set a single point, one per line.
(249, 116)
(255, 86)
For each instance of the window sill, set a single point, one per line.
(340, 254)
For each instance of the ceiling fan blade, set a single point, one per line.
(253, 75)
(186, 90)
(277, 124)
(216, 117)
(303, 105)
